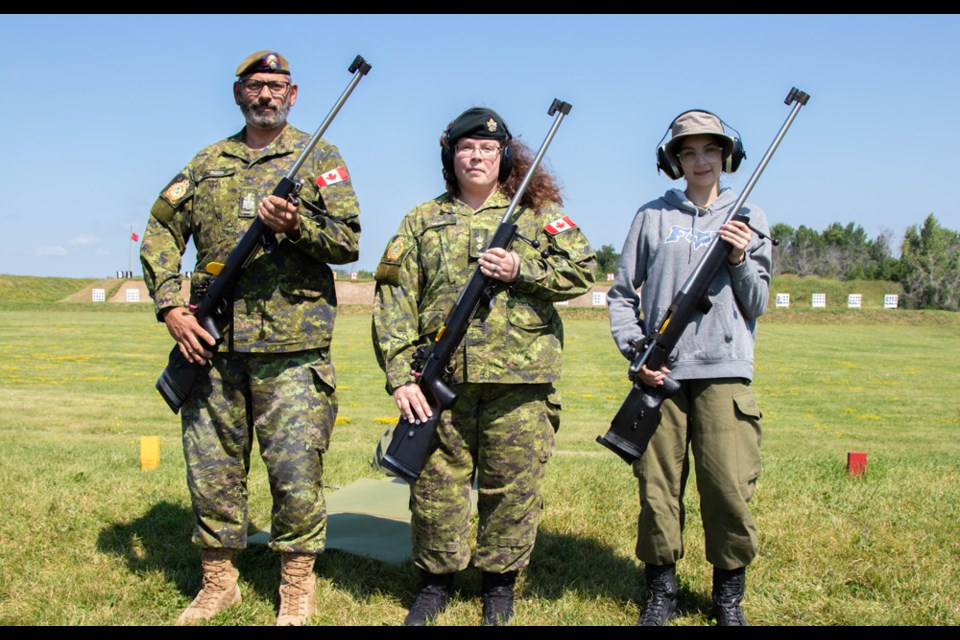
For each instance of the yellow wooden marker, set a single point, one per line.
(149, 452)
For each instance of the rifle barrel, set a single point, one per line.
(359, 67)
(564, 109)
(753, 180)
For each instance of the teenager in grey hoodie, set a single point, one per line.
(715, 414)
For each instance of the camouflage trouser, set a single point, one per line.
(288, 401)
(720, 421)
(506, 433)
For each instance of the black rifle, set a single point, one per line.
(411, 442)
(177, 380)
(638, 417)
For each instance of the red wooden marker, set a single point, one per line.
(856, 463)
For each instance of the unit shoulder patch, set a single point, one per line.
(177, 191)
(388, 271)
(394, 249)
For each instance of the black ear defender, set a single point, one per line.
(507, 157)
(671, 167)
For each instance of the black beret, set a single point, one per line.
(265, 62)
(478, 122)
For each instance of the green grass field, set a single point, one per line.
(87, 538)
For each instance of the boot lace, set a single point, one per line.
(294, 585)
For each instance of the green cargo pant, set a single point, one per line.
(504, 433)
(718, 419)
(288, 401)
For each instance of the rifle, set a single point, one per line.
(178, 378)
(637, 419)
(410, 443)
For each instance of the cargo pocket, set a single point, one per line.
(546, 442)
(297, 294)
(532, 340)
(322, 410)
(748, 435)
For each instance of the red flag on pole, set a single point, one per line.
(134, 237)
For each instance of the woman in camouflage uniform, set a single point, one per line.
(501, 429)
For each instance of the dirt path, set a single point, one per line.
(359, 293)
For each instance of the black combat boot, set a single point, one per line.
(498, 597)
(661, 604)
(432, 599)
(728, 588)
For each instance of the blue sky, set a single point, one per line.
(101, 111)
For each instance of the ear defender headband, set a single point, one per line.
(478, 123)
(667, 163)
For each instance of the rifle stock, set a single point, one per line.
(410, 444)
(177, 380)
(636, 421)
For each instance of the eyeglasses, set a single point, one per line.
(487, 151)
(709, 154)
(254, 87)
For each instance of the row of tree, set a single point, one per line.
(928, 268)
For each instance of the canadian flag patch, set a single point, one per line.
(560, 224)
(332, 177)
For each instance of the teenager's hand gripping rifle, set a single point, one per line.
(411, 442)
(178, 378)
(638, 417)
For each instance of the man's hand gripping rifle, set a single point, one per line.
(177, 380)
(638, 416)
(411, 442)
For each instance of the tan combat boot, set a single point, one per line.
(219, 589)
(298, 594)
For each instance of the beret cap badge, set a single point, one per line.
(264, 61)
(491, 125)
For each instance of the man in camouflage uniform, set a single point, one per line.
(272, 377)
(501, 428)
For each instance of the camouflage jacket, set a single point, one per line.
(518, 337)
(285, 300)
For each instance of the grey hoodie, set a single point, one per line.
(665, 243)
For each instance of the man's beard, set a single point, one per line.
(269, 119)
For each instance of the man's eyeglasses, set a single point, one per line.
(709, 154)
(277, 88)
(487, 151)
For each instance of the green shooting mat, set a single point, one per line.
(368, 518)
